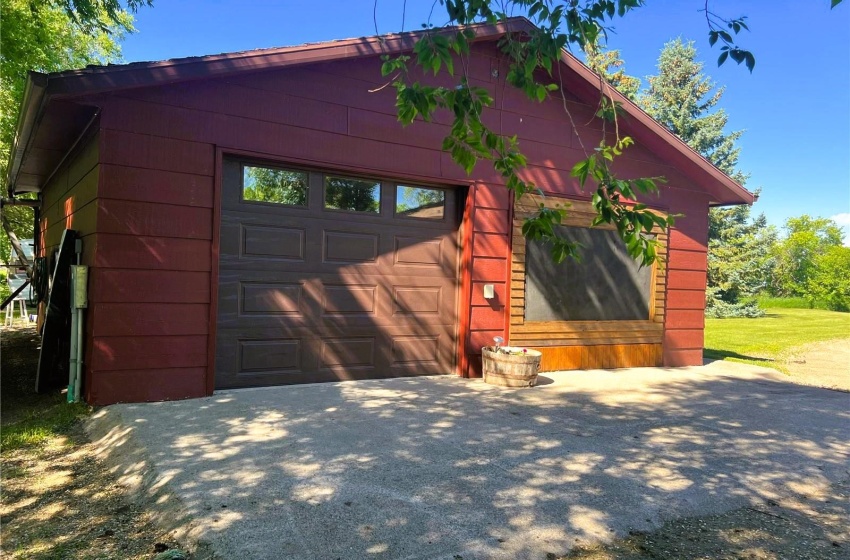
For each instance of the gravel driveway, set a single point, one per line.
(442, 467)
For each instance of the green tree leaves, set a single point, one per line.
(729, 49)
(49, 36)
(796, 255)
(829, 278)
(533, 56)
(93, 16)
(609, 66)
(280, 186)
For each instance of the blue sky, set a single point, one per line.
(795, 107)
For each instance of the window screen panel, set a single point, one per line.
(607, 285)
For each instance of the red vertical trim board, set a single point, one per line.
(465, 292)
(214, 258)
(509, 263)
(666, 298)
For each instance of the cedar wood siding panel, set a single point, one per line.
(157, 185)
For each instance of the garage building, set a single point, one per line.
(261, 218)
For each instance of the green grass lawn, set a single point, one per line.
(767, 302)
(27, 419)
(764, 340)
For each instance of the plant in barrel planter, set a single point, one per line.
(509, 366)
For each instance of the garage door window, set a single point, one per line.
(273, 185)
(419, 202)
(355, 195)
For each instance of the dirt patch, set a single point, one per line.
(19, 356)
(803, 528)
(822, 364)
(58, 502)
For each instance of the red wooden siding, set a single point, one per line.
(686, 280)
(490, 265)
(150, 285)
(154, 272)
(147, 384)
(466, 285)
(69, 201)
(121, 352)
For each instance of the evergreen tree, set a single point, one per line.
(609, 65)
(740, 261)
(686, 101)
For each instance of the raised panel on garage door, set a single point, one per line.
(310, 293)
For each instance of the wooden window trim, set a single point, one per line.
(578, 333)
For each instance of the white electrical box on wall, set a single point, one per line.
(489, 291)
(79, 281)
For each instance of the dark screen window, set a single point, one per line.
(607, 285)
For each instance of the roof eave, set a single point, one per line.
(112, 78)
(35, 96)
(100, 79)
(739, 195)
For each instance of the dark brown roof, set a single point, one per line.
(42, 115)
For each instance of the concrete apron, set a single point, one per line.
(442, 467)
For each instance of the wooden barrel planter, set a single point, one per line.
(510, 366)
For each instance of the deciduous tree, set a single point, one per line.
(48, 36)
(796, 254)
(829, 279)
(533, 56)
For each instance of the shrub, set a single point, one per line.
(830, 279)
(4, 284)
(718, 309)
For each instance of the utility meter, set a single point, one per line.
(79, 281)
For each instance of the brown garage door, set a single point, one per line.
(325, 276)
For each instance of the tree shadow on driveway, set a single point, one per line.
(441, 467)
